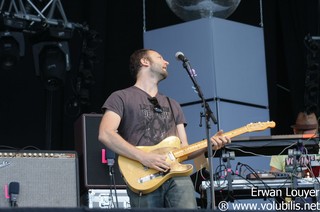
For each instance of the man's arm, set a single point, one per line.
(108, 135)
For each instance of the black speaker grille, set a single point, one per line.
(94, 173)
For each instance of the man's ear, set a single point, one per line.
(144, 61)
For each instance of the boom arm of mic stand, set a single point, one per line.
(208, 110)
(208, 115)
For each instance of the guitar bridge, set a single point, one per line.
(150, 177)
(171, 156)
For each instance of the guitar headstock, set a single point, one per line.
(260, 126)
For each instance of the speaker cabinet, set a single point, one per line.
(45, 179)
(94, 173)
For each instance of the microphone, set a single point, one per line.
(107, 157)
(180, 56)
(13, 193)
(110, 158)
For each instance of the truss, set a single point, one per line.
(26, 14)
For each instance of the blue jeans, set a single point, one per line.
(177, 192)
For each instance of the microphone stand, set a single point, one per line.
(208, 115)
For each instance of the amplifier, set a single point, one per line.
(93, 173)
(43, 179)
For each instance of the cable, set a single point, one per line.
(114, 184)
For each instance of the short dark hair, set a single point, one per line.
(135, 63)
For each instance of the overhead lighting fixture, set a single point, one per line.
(52, 61)
(12, 48)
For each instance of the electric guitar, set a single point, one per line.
(141, 179)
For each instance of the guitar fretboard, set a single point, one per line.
(187, 150)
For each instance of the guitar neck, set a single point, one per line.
(187, 150)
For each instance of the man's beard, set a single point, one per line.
(164, 75)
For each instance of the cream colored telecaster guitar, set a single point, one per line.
(141, 179)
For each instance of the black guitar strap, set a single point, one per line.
(171, 110)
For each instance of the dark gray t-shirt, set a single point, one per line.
(140, 125)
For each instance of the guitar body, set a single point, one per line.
(141, 179)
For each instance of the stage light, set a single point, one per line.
(52, 61)
(14, 23)
(12, 47)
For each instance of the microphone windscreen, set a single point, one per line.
(110, 154)
(178, 55)
(14, 188)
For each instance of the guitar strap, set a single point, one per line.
(174, 118)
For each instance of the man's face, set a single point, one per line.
(158, 64)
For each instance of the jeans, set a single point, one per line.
(177, 192)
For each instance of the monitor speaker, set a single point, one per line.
(40, 179)
(93, 173)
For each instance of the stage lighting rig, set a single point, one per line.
(12, 47)
(36, 15)
(52, 61)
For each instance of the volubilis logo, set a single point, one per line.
(4, 164)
